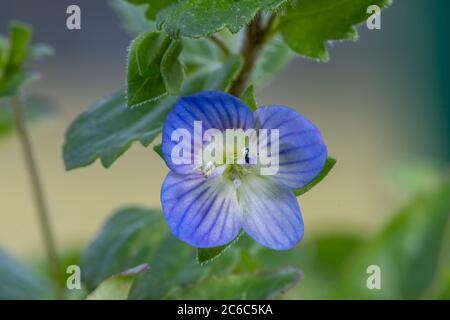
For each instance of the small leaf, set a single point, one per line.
(329, 164)
(273, 58)
(256, 286)
(158, 150)
(11, 83)
(12, 75)
(19, 282)
(117, 287)
(249, 98)
(309, 24)
(144, 79)
(20, 35)
(199, 18)
(171, 68)
(153, 6)
(132, 17)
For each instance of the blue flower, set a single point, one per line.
(207, 203)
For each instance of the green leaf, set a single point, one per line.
(409, 251)
(322, 259)
(117, 287)
(249, 98)
(172, 70)
(10, 83)
(144, 79)
(199, 18)
(273, 58)
(12, 75)
(20, 35)
(309, 24)
(158, 150)
(135, 236)
(132, 17)
(329, 164)
(109, 128)
(3, 52)
(172, 265)
(129, 238)
(19, 282)
(153, 6)
(200, 54)
(256, 286)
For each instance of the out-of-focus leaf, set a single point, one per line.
(257, 286)
(11, 75)
(135, 236)
(408, 251)
(321, 258)
(109, 128)
(172, 265)
(273, 58)
(12, 57)
(199, 18)
(41, 50)
(172, 70)
(132, 17)
(129, 238)
(152, 6)
(249, 98)
(3, 52)
(200, 54)
(19, 282)
(412, 175)
(144, 79)
(35, 107)
(118, 286)
(329, 164)
(20, 35)
(309, 24)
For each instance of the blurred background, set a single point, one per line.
(382, 104)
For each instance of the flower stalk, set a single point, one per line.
(36, 186)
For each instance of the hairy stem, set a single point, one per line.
(36, 185)
(257, 33)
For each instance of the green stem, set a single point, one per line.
(36, 186)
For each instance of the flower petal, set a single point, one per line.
(270, 212)
(216, 110)
(302, 151)
(202, 212)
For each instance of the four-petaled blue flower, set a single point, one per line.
(209, 207)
